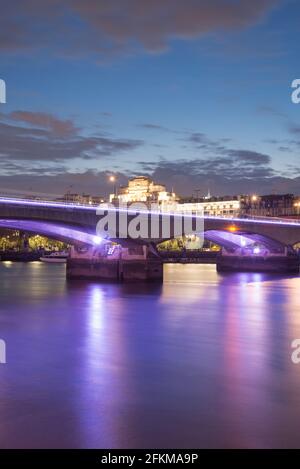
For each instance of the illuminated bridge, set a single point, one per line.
(76, 224)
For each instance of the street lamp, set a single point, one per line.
(253, 204)
(297, 206)
(113, 179)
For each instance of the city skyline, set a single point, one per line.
(194, 95)
(149, 229)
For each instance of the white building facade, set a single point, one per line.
(212, 207)
(143, 189)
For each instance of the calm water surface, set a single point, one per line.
(200, 361)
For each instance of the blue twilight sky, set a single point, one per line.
(194, 93)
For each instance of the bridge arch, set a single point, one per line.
(226, 239)
(240, 239)
(64, 233)
(275, 234)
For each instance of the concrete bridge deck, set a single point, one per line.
(50, 217)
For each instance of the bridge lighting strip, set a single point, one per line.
(43, 203)
(143, 212)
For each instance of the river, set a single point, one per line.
(203, 360)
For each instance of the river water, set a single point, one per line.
(203, 360)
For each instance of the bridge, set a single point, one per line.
(76, 224)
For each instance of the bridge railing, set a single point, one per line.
(43, 201)
(278, 219)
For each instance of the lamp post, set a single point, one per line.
(254, 204)
(113, 180)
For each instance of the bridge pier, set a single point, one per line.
(114, 264)
(239, 261)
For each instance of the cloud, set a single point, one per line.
(38, 148)
(150, 126)
(216, 165)
(294, 129)
(102, 27)
(198, 138)
(239, 164)
(201, 141)
(91, 182)
(224, 156)
(159, 128)
(185, 177)
(184, 183)
(249, 157)
(58, 127)
(40, 137)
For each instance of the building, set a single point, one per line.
(82, 199)
(274, 205)
(143, 189)
(213, 206)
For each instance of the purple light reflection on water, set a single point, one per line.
(201, 361)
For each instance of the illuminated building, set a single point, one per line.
(143, 189)
(274, 205)
(82, 199)
(215, 206)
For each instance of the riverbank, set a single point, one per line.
(170, 257)
(188, 257)
(20, 256)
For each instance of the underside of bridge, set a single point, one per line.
(71, 234)
(65, 233)
(242, 250)
(244, 240)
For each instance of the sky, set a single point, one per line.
(195, 94)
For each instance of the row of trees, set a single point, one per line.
(14, 240)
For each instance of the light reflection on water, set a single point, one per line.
(200, 361)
